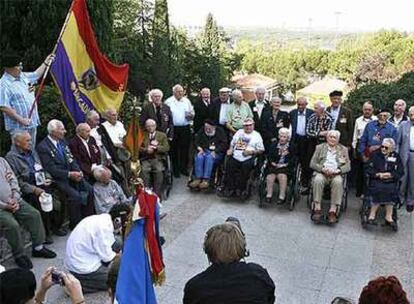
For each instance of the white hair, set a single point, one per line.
(91, 114)
(261, 89)
(335, 133)
(16, 135)
(98, 171)
(302, 98)
(156, 91)
(403, 102)
(390, 141)
(236, 92)
(177, 86)
(284, 131)
(320, 104)
(150, 120)
(276, 98)
(411, 109)
(53, 125)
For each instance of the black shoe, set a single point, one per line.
(43, 253)
(372, 222)
(176, 175)
(228, 192)
(162, 240)
(280, 201)
(269, 200)
(60, 232)
(393, 225)
(48, 240)
(184, 172)
(24, 262)
(410, 208)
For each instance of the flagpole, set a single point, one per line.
(42, 83)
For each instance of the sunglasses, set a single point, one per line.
(385, 147)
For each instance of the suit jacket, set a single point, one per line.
(403, 149)
(270, 127)
(202, 112)
(257, 120)
(293, 115)
(57, 166)
(21, 169)
(345, 125)
(319, 158)
(205, 142)
(163, 145)
(85, 159)
(215, 110)
(165, 125)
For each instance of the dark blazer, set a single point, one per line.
(257, 120)
(165, 125)
(215, 110)
(163, 145)
(219, 140)
(345, 125)
(293, 115)
(81, 155)
(270, 127)
(202, 112)
(57, 166)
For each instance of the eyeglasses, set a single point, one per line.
(385, 147)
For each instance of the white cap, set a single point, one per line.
(224, 90)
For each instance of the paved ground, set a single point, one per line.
(309, 264)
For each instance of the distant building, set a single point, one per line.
(320, 89)
(248, 83)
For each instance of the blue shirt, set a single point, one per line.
(18, 94)
(374, 133)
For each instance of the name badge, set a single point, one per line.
(255, 109)
(212, 148)
(392, 159)
(342, 120)
(38, 167)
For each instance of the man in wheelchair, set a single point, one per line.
(154, 151)
(280, 161)
(384, 171)
(244, 147)
(330, 161)
(211, 145)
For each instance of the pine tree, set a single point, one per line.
(161, 48)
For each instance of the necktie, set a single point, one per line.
(60, 150)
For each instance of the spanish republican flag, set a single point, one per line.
(87, 80)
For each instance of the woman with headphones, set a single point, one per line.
(229, 279)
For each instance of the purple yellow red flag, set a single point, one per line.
(87, 80)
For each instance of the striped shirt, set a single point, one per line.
(18, 94)
(318, 124)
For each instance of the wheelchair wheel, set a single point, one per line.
(262, 184)
(168, 178)
(295, 188)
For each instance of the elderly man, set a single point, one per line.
(94, 122)
(114, 128)
(14, 211)
(57, 159)
(211, 144)
(238, 112)
(159, 112)
(405, 147)
(374, 133)
(343, 120)
(272, 121)
(17, 94)
(183, 113)
(399, 113)
(360, 124)
(153, 150)
(259, 106)
(299, 118)
(245, 145)
(107, 192)
(220, 106)
(329, 162)
(85, 150)
(202, 109)
(34, 181)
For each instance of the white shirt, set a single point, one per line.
(116, 133)
(89, 244)
(179, 109)
(242, 141)
(259, 105)
(335, 113)
(54, 142)
(224, 108)
(359, 128)
(412, 137)
(301, 123)
(98, 138)
(330, 162)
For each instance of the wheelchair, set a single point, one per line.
(292, 194)
(250, 184)
(366, 206)
(167, 180)
(326, 198)
(215, 178)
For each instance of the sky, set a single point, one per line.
(347, 15)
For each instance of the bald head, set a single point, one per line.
(83, 130)
(302, 103)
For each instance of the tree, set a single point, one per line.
(161, 47)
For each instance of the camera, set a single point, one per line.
(57, 278)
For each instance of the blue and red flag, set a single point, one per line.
(87, 80)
